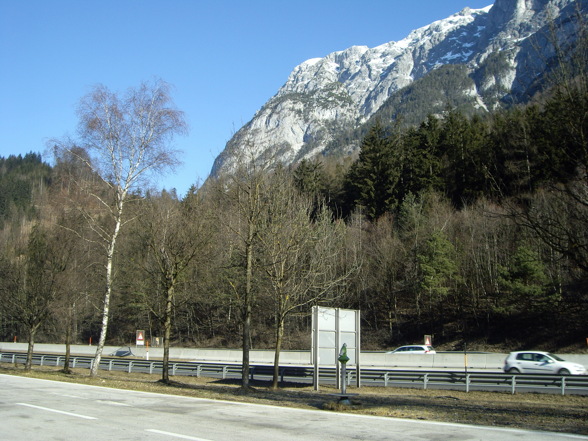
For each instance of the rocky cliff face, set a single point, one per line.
(503, 48)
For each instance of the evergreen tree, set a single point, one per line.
(420, 166)
(309, 177)
(372, 179)
(524, 284)
(21, 178)
(439, 272)
(462, 143)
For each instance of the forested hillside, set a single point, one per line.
(20, 179)
(468, 228)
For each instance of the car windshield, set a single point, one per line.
(555, 357)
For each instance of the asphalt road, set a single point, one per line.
(33, 409)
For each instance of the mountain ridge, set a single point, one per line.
(325, 97)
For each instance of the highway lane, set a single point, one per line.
(33, 409)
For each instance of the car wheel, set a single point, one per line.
(513, 371)
(564, 372)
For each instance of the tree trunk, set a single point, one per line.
(107, 294)
(246, 346)
(167, 334)
(105, 316)
(279, 338)
(247, 309)
(32, 333)
(68, 327)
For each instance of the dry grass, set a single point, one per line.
(533, 411)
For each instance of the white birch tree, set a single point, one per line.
(127, 139)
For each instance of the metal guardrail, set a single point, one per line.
(482, 381)
(374, 376)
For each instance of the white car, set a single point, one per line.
(539, 362)
(413, 350)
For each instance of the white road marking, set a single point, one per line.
(68, 396)
(113, 403)
(58, 411)
(176, 435)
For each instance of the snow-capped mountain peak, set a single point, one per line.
(324, 96)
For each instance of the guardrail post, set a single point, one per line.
(109, 365)
(386, 379)
(57, 360)
(13, 358)
(467, 382)
(73, 363)
(198, 370)
(42, 359)
(425, 381)
(225, 368)
(563, 385)
(514, 384)
(130, 366)
(151, 368)
(174, 367)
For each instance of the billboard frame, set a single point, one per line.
(331, 327)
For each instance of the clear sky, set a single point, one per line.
(224, 59)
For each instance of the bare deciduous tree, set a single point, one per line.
(300, 248)
(127, 140)
(30, 284)
(245, 191)
(177, 235)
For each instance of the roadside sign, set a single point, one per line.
(331, 328)
(140, 338)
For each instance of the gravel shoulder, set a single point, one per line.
(533, 411)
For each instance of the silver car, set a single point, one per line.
(539, 362)
(413, 350)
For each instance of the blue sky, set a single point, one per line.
(224, 59)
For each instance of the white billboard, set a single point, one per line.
(332, 327)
